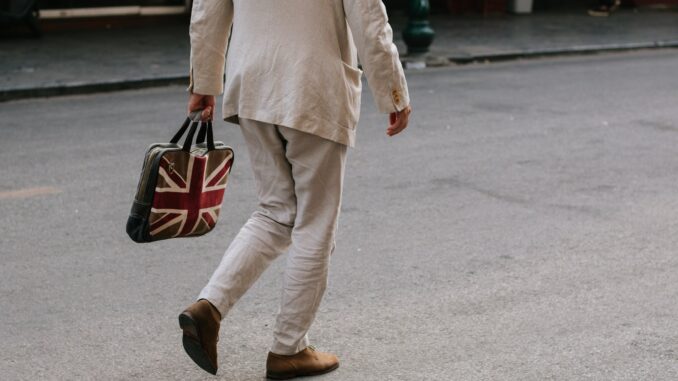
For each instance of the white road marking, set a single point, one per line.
(29, 192)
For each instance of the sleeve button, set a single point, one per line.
(396, 96)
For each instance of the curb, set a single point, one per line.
(571, 51)
(416, 62)
(89, 88)
(426, 61)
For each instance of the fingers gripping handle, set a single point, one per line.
(205, 131)
(196, 115)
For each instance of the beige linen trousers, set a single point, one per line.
(299, 179)
(292, 83)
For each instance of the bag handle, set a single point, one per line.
(189, 138)
(205, 132)
(201, 133)
(181, 131)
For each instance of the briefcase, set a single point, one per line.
(181, 187)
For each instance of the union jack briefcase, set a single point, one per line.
(181, 186)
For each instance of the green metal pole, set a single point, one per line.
(418, 34)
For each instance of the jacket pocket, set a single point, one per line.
(352, 80)
(352, 75)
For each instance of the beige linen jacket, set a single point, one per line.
(293, 63)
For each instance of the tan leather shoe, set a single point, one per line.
(200, 323)
(308, 362)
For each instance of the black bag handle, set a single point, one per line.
(210, 137)
(201, 133)
(189, 138)
(181, 131)
(205, 133)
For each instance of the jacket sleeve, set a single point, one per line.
(378, 55)
(210, 28)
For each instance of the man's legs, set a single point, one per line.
(265, 236)
(318, 170)
(299, 180)
(267, 233)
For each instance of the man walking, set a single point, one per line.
(293, 85)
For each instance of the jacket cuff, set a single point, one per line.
(205, 85)
(397, 98)
(393, 94)
(400, 98)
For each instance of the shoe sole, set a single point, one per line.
(274, 376)
(192, 346)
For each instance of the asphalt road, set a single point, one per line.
(523, 228)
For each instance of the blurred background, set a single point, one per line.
(49, 46)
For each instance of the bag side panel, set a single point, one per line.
(137, 224)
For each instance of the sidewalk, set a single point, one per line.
(476, 38)
(105, 60)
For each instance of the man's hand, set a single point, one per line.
(398, 121)
(202, 102)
